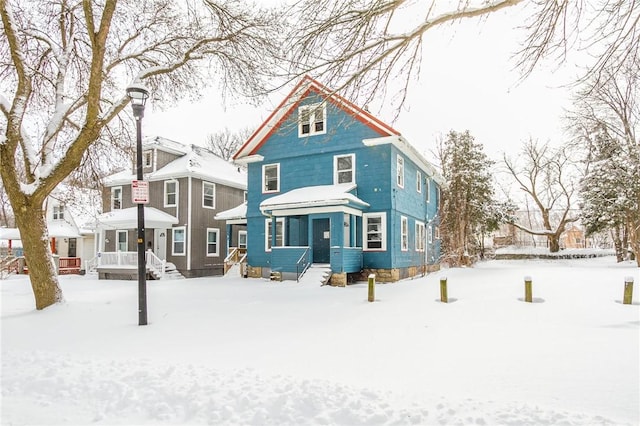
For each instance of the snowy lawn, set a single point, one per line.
(234, 351)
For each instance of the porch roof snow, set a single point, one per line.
(238, 212)
(9, 233)
(128, 219)
(313, 196)
(62, 229)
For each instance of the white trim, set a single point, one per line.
(267, 227)
(312, 110)
(173, 240)
(147, 154)
(249, 159)
(264, 186)
(243, 232)
(404, 233)
(113, 189)
(430, 235)
(336, 171)
(215, 231)
(213, 195)
(420, 236)
(427, 189)
(418, 182)
(399, 171)
(165, 195)
(312, 210)
(383, 231)
(189, 220)
(126, 239)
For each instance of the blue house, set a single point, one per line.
(330, 184)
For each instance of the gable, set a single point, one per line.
(283, 120)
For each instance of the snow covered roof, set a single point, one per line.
(194, 161)
(128, 219)
(313, 196)
(237, 214)
(62, 229)
(288, 105)
(9, 233)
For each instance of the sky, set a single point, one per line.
(234, 351)
(467, 81)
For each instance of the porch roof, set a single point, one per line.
(128, 219)
(313, 197)
(237, 214)
(55, 228)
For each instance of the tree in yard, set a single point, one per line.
(606, 120)
(549, 178)
(64, 68)
(468, 206)
(225, 143)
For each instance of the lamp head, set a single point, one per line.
(138, 94)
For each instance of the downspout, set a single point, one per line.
(189, 211)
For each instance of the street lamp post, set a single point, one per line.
(138, 95)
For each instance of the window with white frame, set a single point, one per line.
(58, 212)
(213, 242)
(270, 178)
(437, 197)
(178, 248)
(344, 167)
(170, 193)
(122, 243)
(147, 158)
(208, 195)
(437, 232)
(418, 181)
(400, 171)
(268, 225)
(375, 228)
(116, 198)
(427, 189)
(311, 119)
(404, 233)
(242, 239)
(430, 234)
(420, 236)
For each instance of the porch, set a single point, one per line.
(124, 265)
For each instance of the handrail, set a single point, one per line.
(302, 262)
(92, 264)
(232, 255)
(155, 263)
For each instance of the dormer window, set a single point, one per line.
(311, 120)
(58, 212)
(147, 159)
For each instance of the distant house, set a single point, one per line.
(330, 184)
(188, 185)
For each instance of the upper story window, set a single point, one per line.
(170, 193)
(418, 181)
(375, 228)
(271, 178)
(208, 195)
(58, 212)
(427, 189)
(116, 198)
(311, 119)
(147, 159)
(400, 171)
(344, 168)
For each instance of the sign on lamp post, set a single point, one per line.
(140, 192)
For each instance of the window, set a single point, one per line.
(375, 227)
(311, 120)
(418, 181)
(208, 195)
(438, 197)
(242, 239)
(213, 238)
(430, 234)
(271, 178)
(58, 212)
(178, 247)
(116, 198)
(244, 196)
(420, 236)
(147, 158)
(344, 169)
(279, 233)
(400, 171)
(427, 189)
(121, 240)
(437, 232)
(170, 193)
(404, 233)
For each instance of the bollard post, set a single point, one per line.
(372, 284)
(628, 290)
(443, 290)
(528, 293)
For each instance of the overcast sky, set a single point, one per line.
(467, 81)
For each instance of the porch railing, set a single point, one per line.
(236, 255)
(155, 264)
(302, 264)
(118, 258)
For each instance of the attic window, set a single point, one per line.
(147, 158)
(58, 212)
(311, 120)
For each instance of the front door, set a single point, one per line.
(160, 243)
(321, 241)
(73, 243)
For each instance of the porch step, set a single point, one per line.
(318, 273)
(170, 272)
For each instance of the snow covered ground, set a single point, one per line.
(234, 351)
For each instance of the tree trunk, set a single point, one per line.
(37, 252)
(554, 243)
(617, 244)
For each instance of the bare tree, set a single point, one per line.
(363, 48)
(64, 67)
(548, 176)
(225, 143)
